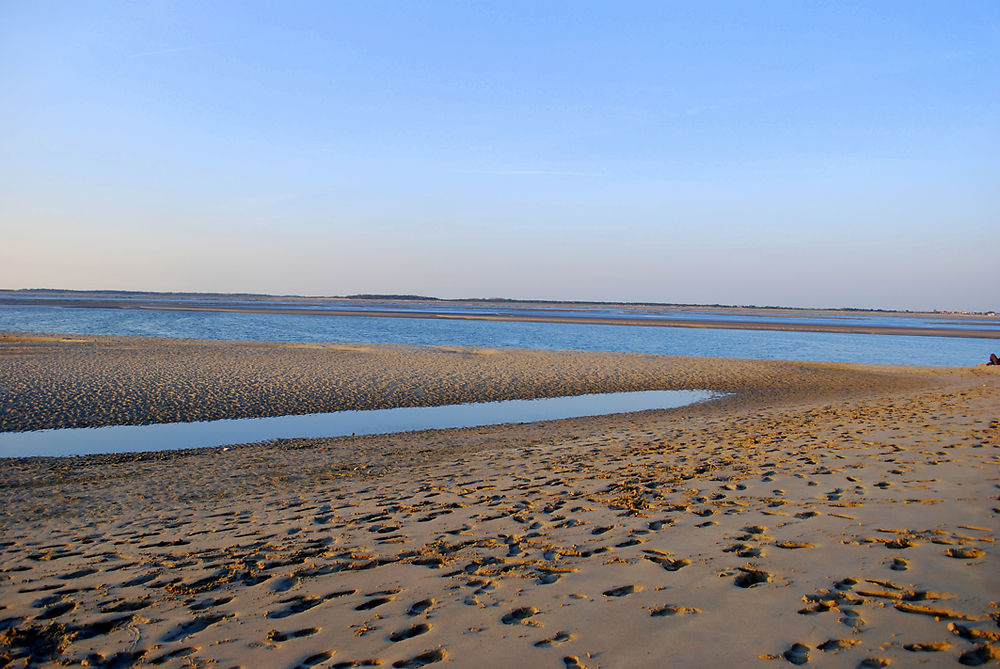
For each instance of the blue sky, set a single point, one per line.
(796, 153)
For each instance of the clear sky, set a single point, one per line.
(778, 152)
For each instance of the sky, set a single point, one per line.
(796, 153)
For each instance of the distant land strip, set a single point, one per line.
(589, 320)
(583, 320)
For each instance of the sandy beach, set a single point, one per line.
(822, 514)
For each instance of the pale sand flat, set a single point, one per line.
(51, 381)
(796, 522)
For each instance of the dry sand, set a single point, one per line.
(838, 515)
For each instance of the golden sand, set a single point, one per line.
(87, 381)
(832, 514)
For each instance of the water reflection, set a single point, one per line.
(165, 436)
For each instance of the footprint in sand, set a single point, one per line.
(162, 659)
(573, 662)
(749, 578)
(185, 630)
(836, 645)
(852, 619)
(141, 580)
(372, 603)
(313, 660)
(548, 576)
(429, 657)
(520, 615)
(207, 603)
(797, 654)
(979, 655)
(46, 601)
(622, 590)
(557, 638)
(899, 564)
(791, 545)
(295, 605)
(76, 574)
(420, 607)
(409, 633)
(971, 633)
(124, 606)
(275, 636)
(927, 647)
(8, 623)
(674, 611)
(964, 553)
(57, 610)
(668, 563)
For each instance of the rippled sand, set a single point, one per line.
(832, 514)
(86, 381)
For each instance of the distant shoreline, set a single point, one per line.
(59, 295)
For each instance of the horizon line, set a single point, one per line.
(431, 298)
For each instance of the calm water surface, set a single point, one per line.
(760, 344)
(651, 313)
(165, 436)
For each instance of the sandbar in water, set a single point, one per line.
(166, 436)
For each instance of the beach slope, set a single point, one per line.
(832, 514)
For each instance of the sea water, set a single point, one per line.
(165, 436)
(760, 344)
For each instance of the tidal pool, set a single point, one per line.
(166, 436)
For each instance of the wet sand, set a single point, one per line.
(838, 515)
(51, 381)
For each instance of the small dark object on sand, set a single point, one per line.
(994, 360)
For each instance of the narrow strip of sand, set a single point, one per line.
(51, 381)
(589, 320)
(832, 514)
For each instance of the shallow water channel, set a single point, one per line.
(166, 436)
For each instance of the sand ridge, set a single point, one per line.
(49, 381)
